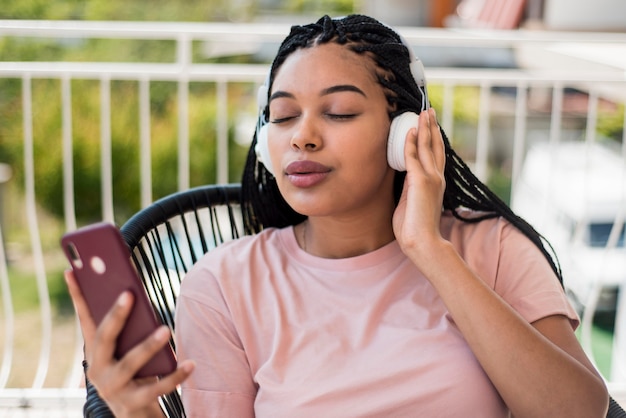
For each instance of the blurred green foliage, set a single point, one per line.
(611, 123)
(25, 295)
(47, 133)
(148, 10)
(165, 10)
(331, 7)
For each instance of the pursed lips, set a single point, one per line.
(305, 167)
(305, 173)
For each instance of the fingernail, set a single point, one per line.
(162, 334)
(123, 299)
(188, 366)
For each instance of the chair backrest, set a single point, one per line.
(615, 410)
(166, 238)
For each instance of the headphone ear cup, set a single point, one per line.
(262, 149)
(261, 96)
(400, 127)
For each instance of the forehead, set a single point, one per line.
(330, 62)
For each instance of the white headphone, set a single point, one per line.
(400, 125)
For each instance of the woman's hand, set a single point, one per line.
(417, 216)
(113, 378)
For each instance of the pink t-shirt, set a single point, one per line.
(276, 332)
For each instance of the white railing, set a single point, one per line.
(605, 82)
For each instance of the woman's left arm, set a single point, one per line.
(539, 369)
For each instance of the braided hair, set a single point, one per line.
(262, 204)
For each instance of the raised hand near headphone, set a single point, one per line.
(417, 216)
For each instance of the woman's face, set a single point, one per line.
(328, 131)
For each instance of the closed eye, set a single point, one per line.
(282, 120)
(345, 116)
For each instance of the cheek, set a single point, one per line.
(275, 149)
(373, 158)
(373, 146)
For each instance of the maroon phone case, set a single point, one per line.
(101, 263)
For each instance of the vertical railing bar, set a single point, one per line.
(554, 138)
(556, 117)
(75, 375)
(106, 160)
(183, 134)
(183, 52)
(618, 221)
(9, 319)
(592, 301)
(448, 109)
(592, 117)
(183, 59)
(33, 227)
(590, 139)
(69, 208)
(145, 149)
(482, 142)
(519, 134)
(618, 358)
(222, 132)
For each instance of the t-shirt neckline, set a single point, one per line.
(385, 254)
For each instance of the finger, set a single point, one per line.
(439, 149)
(139, 355)
(425, 143)
(424, 131)
(410, 150)
(87, 324)
(168, 384)
(109, 329)
(148, 391)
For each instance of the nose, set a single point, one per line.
(306, 136)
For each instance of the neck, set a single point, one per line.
(336, 239)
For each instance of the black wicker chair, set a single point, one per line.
(166, 239)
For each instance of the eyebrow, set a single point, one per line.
(330, 90)
(341, 88)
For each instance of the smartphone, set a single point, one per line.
(101, 263)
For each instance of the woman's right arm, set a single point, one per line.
(113, 378)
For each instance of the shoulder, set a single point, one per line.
(510, 263)
(231, 262)
(496, 248)
(479, 236)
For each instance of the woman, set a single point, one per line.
(366, 292)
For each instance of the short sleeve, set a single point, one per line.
(221, 384)
(511, 264)
(525, 279)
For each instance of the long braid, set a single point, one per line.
(466, 190)
(264, 206)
